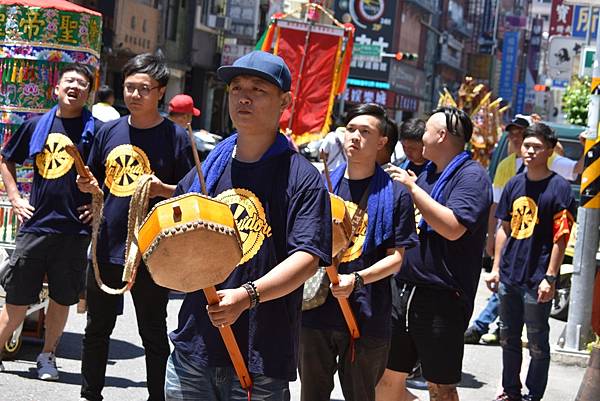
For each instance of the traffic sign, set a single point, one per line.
(363, 52)
(586, 65)
(561, 52)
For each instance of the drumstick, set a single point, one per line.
(326, 170)
(79, 164)
(213, 298)
(230, 343)
(332, 273)
(197, 160)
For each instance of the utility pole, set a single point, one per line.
(578, 329)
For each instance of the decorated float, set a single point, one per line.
(485, 112)
(37, 39)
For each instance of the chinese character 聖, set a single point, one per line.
(67, 27)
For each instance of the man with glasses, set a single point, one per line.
(536, 210)
(510, 166)
(125, 149)
(439, 277)
(54, 233)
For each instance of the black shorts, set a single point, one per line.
(62, 257)
(433, 334)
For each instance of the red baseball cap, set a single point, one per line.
(183, 104)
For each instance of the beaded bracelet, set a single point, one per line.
(253, 293)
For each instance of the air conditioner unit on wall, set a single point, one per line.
(218, 22)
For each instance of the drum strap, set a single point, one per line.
(138, 206)
(137, 210)
(357, 219)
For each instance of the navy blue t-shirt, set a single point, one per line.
(415, 168)
(372, 305)
(531, 208)
(120, 155)
(54, 193)
(286, 196)
(454, 265)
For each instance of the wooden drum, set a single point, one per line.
(342, 224)
(190, 242)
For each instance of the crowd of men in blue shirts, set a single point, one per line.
(410, 273)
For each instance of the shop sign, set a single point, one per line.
(374, 22)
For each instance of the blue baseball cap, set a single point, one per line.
(259, 64)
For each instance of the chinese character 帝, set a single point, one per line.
(32, 24)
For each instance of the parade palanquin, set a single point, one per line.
(485, 112)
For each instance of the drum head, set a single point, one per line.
(193, 260)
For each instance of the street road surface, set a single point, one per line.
(125, 374)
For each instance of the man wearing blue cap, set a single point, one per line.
(283, 214)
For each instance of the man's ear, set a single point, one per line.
(383, 140)
(161, 92)
(286, 100)
(56, 89)
(442, 135)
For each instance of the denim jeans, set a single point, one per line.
(519, 306)
(487, 315)
(188, 382)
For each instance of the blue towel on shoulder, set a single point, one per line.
(217, 160)
(44, 125)
(380, 206)
(437, 192)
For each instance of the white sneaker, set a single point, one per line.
(46, 365)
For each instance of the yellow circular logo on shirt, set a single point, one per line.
(125, 164)
(250, 219)
(354, 251)
(524, 218)
(54, 161)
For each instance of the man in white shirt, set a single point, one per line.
(332, 148)
(103, 110)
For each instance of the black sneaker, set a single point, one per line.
(506, 397)
(472, 336)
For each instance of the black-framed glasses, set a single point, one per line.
(143, 90)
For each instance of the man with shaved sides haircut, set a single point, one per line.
(439, 277)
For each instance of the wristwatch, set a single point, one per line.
(550, 279)
(358, 281)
